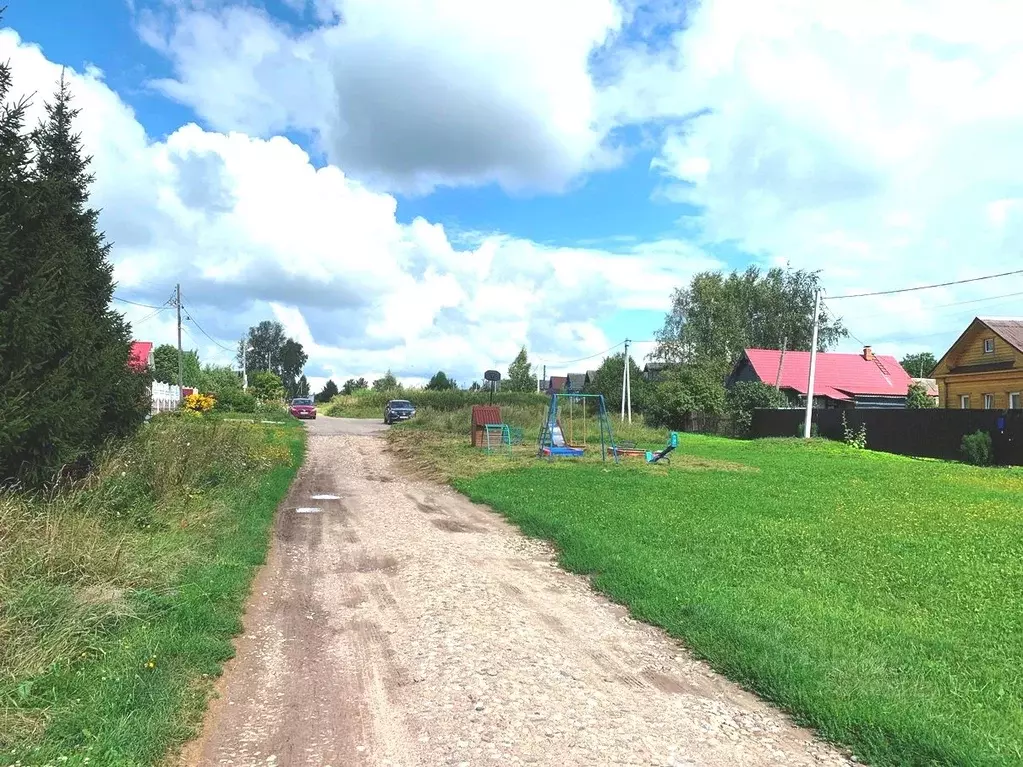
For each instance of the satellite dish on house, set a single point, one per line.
(492, 375)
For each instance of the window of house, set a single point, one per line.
(989, 345)
(1014, 401)
(964, 401)
(989, 401)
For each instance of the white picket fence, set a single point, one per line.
(165, 397)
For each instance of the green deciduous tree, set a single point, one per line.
(266, 386)
(609, 383)
(387, 383)
(218, 378)
(302, 387)
(65, 382)
(353, 385)
(716, 316)
(918, 399)
(520, 375)
(328, 392)
(441, 382)
(165, 366)
(688, 389)
(745, 397)
(265, 342)
(919, 365)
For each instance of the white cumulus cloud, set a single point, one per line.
(253, 230)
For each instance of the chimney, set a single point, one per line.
(868, 354)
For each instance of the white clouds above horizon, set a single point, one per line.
(253, 230)
(878, 143)
(406, 96)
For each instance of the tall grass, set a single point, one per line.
(102, 638)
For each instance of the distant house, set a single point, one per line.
(654, 371)
(556, 384)
(576, 383)
(140, 356)
(861, 380)
(591, 377)
(984, 367)
(929, 385)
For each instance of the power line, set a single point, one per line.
(136, 303)
(583, 359)
(979, 300)
(199, 327)
(150, 315)
(926, 287)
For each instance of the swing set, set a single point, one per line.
(552, 443)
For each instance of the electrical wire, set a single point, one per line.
(559, 363)
(150, 315)
(926, 287)
(979, 300)
(199, 327)
(136, 303)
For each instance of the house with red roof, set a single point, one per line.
(864, 380)
(141, 355)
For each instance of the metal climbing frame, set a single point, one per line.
(551, 442)
(496, 435)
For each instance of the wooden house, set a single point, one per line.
(864, 380)
(983, 369)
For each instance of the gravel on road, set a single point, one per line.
(396, 623)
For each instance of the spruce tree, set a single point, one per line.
(69, 377)
(22, 287)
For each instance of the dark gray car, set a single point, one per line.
(398, 410)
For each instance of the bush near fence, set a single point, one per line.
(925, 433)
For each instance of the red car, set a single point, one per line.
(303, 407)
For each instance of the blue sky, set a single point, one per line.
(527, 173)
(610, 208)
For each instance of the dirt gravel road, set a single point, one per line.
(398, 624)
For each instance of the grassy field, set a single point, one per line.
(436, 443)
(875, 597)
(119, 597)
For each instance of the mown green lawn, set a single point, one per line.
(876, 597)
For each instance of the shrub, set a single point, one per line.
(747, 396)
(856, 438)
(199, 403)
(692, 389)
(267, 387)
(235, 401)
(917, 398)
(977, 449)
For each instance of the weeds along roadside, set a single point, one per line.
(119, 595)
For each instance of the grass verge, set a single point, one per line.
(875, 597)
(119, 597)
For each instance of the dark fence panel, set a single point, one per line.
(925, 433)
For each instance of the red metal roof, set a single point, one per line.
(839, 376)
(558, 383)
(484, 414)
(139, 356)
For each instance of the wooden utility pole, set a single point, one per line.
(181, 358)
(781, 361)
